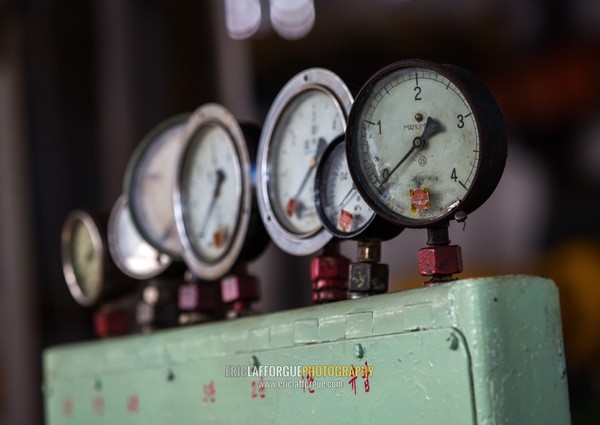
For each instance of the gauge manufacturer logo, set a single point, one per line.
(413, 127)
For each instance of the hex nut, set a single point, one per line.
(440, 260)
(371, 278)
(204, 296)
(329, 267)
(239, 288)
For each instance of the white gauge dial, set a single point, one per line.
(307, 126)
(86, 259)
(150, 183)
(342, 209)
(130, 252)
(309, 112)
(83, 257)
(422, 158)
(214, 196)
(415, 143)
(90, 273)
(211, 189)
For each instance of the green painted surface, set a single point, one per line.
(477, 351)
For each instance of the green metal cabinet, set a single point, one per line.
(476, 351)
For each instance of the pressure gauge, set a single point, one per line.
(131, 253)
(215, 204)
(88, 269)
(341, 208)
(149, 184)
(307, 114)
(425, 142)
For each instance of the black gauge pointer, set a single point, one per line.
(292, 205)
(216, 193)
(431, 127)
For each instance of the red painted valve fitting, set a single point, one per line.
(440, 262)
(329, 277)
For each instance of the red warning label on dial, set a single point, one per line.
(344, 223)
(419, 199)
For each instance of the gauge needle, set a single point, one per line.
(168, 231)
(431, 128)
(345, 200)
(292, 204)
(220, 178)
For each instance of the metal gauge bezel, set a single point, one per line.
(139, 155)
(331, 85)
(95, 230)
(163, 261)
(491, 135)
(375, 228)
(216, 115)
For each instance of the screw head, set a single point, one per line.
(453, 341)
(359, 351)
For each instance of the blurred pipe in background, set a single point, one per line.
(19, 334)
(115, 94)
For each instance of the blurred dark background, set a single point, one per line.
(81, 83)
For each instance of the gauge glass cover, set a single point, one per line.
(150, 182)
(342, 209)
(309, 112)
(307, 126)
(87, 261)
(212, 192)
(214, 195)
(131, 253)
(415, 143)
(83, 257)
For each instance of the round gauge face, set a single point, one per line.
(307, 125)
(131, 253)
(211, 191)
(86, 260)
(150, 181)
(342, 209)
(213, 196)
(415, 143)
(83, 257)
(307, 115)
